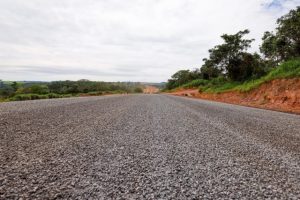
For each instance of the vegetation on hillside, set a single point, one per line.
(289, 69)
(231, 67)
(17, 91)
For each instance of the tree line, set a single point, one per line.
(55, 89)
(232, 61)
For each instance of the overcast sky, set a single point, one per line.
(118, 40)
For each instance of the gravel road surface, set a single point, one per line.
(146, 147)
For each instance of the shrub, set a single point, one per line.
(53, 95)
(138, 90)
(21, 97)
(24, 97)
(39, 89)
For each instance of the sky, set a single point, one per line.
(117, 40)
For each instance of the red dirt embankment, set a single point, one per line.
(280, 95)
(150, 90)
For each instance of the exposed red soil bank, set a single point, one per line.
(280, 95)
(150, 90)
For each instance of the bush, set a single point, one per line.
(138, 90)
(53, 95)
(21, 97)
(218, 81)
(39, 89)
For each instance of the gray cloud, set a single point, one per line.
(117, 40)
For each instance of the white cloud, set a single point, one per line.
(115, 40)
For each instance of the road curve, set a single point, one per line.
(146, 147)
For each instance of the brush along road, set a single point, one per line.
(146, 147)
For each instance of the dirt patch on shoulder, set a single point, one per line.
(150, 90)
(280, 95)
(186, 92)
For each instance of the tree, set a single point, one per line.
(181, 77)
(209, 71)
(1, 84)
(231, 58)
(6, 91)
(245, 67)
(15, 86)
(269, 47)
(39, 89)
(284, 44)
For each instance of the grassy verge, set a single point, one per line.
(195, 83)
(25, 97)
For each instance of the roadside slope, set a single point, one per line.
(278, 90)
(278, 94)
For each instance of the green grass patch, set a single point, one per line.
(225, 87)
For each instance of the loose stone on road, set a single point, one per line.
(146, 147)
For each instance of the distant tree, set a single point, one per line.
(14, 85)
(7, 91)
(181, 77)
(1, 84)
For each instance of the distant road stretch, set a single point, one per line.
(146, 147)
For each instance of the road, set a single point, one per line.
(146, 147)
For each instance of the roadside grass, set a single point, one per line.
(24, 97)
(30, 96)
(3, 100)
(219, 88)
(195, 83)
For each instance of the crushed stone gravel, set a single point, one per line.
(146, 147)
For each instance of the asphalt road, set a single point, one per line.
(146, 147)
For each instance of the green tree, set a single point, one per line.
(231, 58)
(209, 71)
(181, 77)
(7, 91)
(39, 89)
(1, 84)
(15, 86)
(284, 44)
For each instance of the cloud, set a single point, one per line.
(115, 40)
(281, 5)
